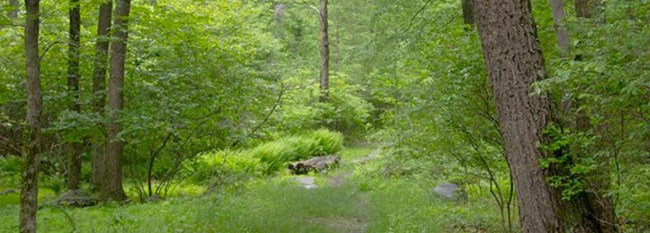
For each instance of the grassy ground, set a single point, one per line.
(345, 201)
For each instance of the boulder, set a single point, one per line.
(153, 198)
(75, 198)
(451, 191)
(317, 164)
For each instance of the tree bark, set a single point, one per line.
(74, 153)
(31, 150)
(112, 187)
(514, 61)
(557, 7)
(324, 53)
(98, 162)
(468, 12)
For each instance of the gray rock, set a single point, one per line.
(154, 198)
(308, 182)
(451, 191)
(76, 198)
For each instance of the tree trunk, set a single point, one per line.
(514, 61)
(557, 7)
(112, 187)
(337, 36)
(29, 175)
(74, 153)
(98, 162)
(324, 53)
(468, 12)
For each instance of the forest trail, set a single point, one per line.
(360, 203)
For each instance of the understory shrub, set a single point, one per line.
(276, 154)
(9, 172)
(346, 111)
(266, 158)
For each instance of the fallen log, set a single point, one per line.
(317, 164)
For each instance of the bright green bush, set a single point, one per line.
(215, 163)
(277, 153)
(268, 157)
(330, 142)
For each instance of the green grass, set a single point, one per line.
(277, 204)
(357, 152)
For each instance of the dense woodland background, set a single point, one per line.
(218, 96)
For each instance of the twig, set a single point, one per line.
(67, 216)
(48, 48)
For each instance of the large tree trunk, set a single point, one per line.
(29, 188)
(74, 149)
(514, 61)
(324, 53)
(557, 7)
(112, 186)
(98, 162)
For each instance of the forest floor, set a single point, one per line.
(346, 199)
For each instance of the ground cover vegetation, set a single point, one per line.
(182, 115)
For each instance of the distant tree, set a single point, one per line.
(557, 8)
(514, 61)
(112, 186)
(74, 148)
(29, 188)
(324, 52)
(98, 162)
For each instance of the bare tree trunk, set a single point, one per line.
(468, 12)
(337, 37)
(112, 187)
(324, 53)
(557, 7)
(514, 61)
(98, 162)
(74, 149)
(31, 150)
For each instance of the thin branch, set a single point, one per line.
(47, 49)
(411, 22)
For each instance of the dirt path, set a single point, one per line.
(337, 180)
(361, 203)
